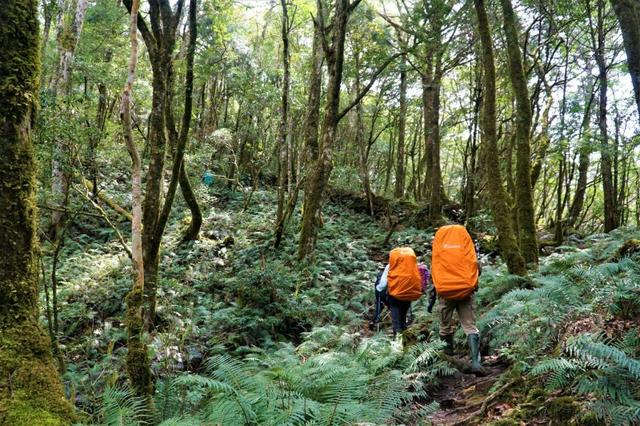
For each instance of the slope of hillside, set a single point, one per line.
(247, 335)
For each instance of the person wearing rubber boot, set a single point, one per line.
(454, 272)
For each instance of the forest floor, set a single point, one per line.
(541, 334)
(462, 397)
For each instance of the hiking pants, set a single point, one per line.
(399, 309)
(467, 318)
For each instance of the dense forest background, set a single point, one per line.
(217, 183)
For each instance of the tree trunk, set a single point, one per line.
(560, 200)
(160, 42)
(50, 8)
(402, 120)
(524, 192)
(283, 165)
(469, 188)
(597, 33)
(193, 231)
(309, 151)
(583, 164)
(427, 112)
(311, 122)
(506, 236)
(138, 364)
(361, 144)
(628, 13)
(321, 168)
(30, 388)
(60, 167)
(437, 187)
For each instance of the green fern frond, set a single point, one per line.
(121, 408)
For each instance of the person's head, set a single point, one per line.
(424, 275)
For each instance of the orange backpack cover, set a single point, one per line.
(454, 265)
(404, 281)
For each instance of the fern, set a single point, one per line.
(121, 408)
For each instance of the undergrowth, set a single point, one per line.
(248, 335)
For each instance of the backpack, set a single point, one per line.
(454, 265)
(403, 280)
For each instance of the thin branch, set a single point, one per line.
(67, 211)
(104, 216)
(147, 36)
(366, 89)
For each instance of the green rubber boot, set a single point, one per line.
(448, 339)
(474, 346)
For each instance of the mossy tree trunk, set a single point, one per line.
(30, 387)
(402, 120)
(426, 79)
(283, 127)
(524, 191)
(498, 198)
(431, 77)
(471, 151)
(160, 40)
(138, 365)
(597, 34)
(321, 168)
(178, 142)
(437, 187)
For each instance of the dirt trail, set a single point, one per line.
(462, 396)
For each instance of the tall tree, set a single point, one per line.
(628, 14)
(30, 387)
(284, 121)
(320, 170)
(498, 198)
(68, 37)
(138, 365)
(597, 32)
(402, 121)
(524, 191)
(584, 151)
(160, 41)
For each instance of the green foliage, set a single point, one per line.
(121, 408)
(600, 370)
(339, 386)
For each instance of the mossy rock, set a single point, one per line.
(562, 409)
(536, 395)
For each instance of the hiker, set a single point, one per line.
(454, 272)
(401, 282)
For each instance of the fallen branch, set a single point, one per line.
(108, 201)
(104, 216)
(67, 211)
(460, 365)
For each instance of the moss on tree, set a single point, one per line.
(30, 389)
(137, 356)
